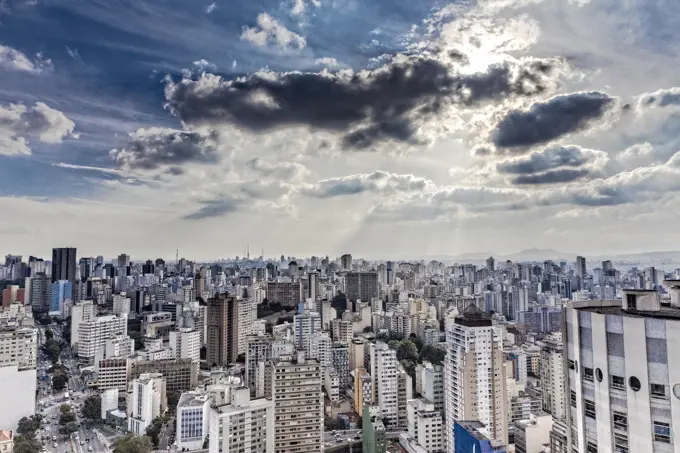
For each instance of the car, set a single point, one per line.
(89, 448)
(82, 443)
(54, 445)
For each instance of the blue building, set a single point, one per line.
(468, 438)
(61, 290)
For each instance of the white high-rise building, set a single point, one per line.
(305, 325)
(93, 333)
(425, 426)
(384, 367)
(185, 343)
(18, 354)
(320, 349)
(623, 378)
(193, 420)
(247, 312)
(258, 351)
(296, 391)
(80, 312)
(474, 375)
(243, 425)
(553, 394)
(146, 401)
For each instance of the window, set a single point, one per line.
(572, 365)
(631, 301)
(572, 398)
(618, 382)
(589, 408)
(662, 432)
(591, 447)
(620, 420)
(620, 443)
(587, 374)
(658, 391)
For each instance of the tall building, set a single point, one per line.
(306, 324)
(312, 286)
(553, 395)
(340, 357)
(39, 292)
(62, 291)
(64, 265)
(222, 330)
(296, 390)
(258, 352)
(384, 368)
(93, 334)
(193, 420)
(243, 425)
(622, 375)
(346, 262)
(373, 431)
(247, 313)
(147, 400)
(361, 286)
(581, 266)
(425, 426)
(474, 375)
(185, 343)
(471, 437)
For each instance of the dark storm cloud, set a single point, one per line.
(149, 149)
(548, 159)
(366, 106)
(215, 208)
(551, 177)
(546, 121)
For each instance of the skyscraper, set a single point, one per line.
(64, 264)
(580, 266)
(474, 375)
(222, 330)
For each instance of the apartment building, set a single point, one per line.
(93, 334)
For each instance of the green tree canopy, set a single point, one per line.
(59, 381)
(66, 418)
(68, 428)
(92, 407)
(26, 444)
(133, 444)
(48, 334)
(173, 399)
(52, 349)
(432, 354)
(29, 425)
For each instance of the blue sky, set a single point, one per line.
(381, 128)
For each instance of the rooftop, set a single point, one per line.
(192, 399)
(613, 307)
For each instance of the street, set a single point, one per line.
(341, 437)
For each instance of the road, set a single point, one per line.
(341, 437)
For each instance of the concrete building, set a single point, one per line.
(342, 331)
(425, 426)
(6, 441)
(474, 375)
(373, 431)
(340, 359)
(430, 384)
(305, 325)
(222, 330)
(361, 285)
(247, 313)
(193, 420)
(243, 425)
(298, 404)
(181, 375)
(114, 373)
(93, 334)
(146, 400)
(622, 376)
(533, 434)
(363, 389)
(471, 437)
(109, 401)
(384, 370)
(552, 383)
(258, 353)
(80, 312)
(185, 343)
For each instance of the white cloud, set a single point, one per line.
(19, 123)
(210, 8)
(13, 59)
(328, 62)
(269, 31)
(298, 7)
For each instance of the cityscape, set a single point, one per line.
(343, 354)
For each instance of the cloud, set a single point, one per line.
(547, 166)
(377, 182)
(661, 98)
(210, 8)
(18, 123)
(548, 120)
(13, 59)
(153, 148)
(269, 31)
(327, 62)
(204, 65)
(287, 171)
(298, 7)
(393, 102)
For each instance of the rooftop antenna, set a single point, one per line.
(248, 251)
(177, 256)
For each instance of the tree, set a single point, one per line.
(66, 330)
(133, 444)
(154, 430)
(24, 443)
(173, 399)
(68, 428)
(66, 418)
(48, 334)
(59, 381)
(92, 407)
(407, 350)
(432, 354)
(29, 425)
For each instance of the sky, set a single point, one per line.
(381, 128)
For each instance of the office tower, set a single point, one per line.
(306, 324)
(342, 331)
(361, 286)
(474, 376)
(18, 357)
(86, 268)
(357, 356)
(193, 420)
(490, 264)
(622, 373)
(146, 402)
(247, 313)
(181, 375)
(123, 260)
(320, 349)
(185, 343)
(39, 293)
(553, 395)
(286, 293)
(404, 394)
(92, 334)
(296, 385)
(384, 368)
(148, 268)
(340, 358)
(80, 312)
(430, 384)
(62, 290)
(199, 282)
(424, 426)
(346, 262)
(243, 425)
(64, 264)
(373, 431)
(222, 330)
(312, 286)
(258, 351)
(581, 266)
